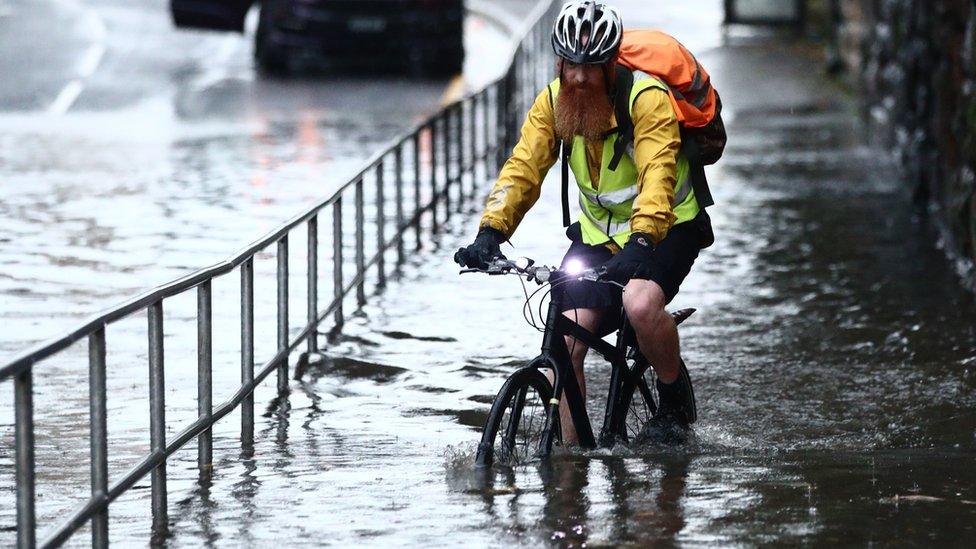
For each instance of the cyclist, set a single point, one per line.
(632, 221)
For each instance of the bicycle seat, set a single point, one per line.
(682, 315)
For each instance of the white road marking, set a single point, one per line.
(66, 98)
(88, 63)
(217, 67)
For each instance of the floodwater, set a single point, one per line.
(833, 356)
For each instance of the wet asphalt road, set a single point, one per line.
(833, 353)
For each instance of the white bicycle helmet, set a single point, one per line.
(587, 32)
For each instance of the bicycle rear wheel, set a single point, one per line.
(638, 401)
(515, 425)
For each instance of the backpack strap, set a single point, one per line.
(623, 85)
(699, 183)
(566, 149)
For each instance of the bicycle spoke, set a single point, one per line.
(514, 428)
(641, 406)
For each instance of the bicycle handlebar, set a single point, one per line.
(542, 274)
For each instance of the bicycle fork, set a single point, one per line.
(556, 355)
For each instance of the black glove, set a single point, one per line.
(631, 260)
(486, 247)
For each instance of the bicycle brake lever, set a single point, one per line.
(600, 272)
(593, 275)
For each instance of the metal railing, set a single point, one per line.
(429, 168)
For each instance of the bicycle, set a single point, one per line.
(528, 392)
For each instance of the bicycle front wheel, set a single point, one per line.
(516, 422)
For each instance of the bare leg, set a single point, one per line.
(590, 320)
(657, 335)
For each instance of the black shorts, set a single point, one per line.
(670, 264)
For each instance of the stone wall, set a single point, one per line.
(915, 61)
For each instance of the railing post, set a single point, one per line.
(337, 281)
(247, 349)
(464, 147)
(447, 157)
(98, 434)
(486, 129)
(434, 157)
(360, 245)
(313, 284)
(419, 206)
(157, 417)
(24, 442)
(501, 95)
(459, 155)
(535, 60)
(283, 313)
(380, 225)
(205, 375)
(398, 176)
(473, 145)
(511, 88)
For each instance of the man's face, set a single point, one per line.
(582, 76)
(583, 106)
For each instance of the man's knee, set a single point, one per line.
(644, 301)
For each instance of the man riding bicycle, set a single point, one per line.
(640, 219)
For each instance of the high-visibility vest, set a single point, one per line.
(605, 212)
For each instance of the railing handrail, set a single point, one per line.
(453, 131)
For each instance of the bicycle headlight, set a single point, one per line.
(574, 267)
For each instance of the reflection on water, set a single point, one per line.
(587, 501)
(726, 498)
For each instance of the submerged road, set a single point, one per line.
(834, 359)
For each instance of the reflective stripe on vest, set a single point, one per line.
(606, 212)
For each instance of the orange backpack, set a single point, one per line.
(696, 103)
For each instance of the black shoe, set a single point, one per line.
(670, 424)
(667, 427)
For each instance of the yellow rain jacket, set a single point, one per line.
(656, 145)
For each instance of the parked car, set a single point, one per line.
(420, 37)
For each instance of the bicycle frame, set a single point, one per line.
(555, 355)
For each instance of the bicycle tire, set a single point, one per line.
(510, 403)
(635, 412)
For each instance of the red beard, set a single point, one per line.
(583, 110)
